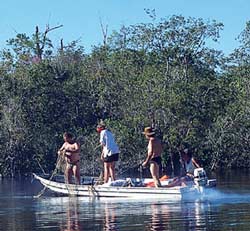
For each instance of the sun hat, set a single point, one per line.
(148, 131)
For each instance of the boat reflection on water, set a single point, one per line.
(73, 213)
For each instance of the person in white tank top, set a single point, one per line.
(189, 165)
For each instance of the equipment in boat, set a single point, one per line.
(201, 179)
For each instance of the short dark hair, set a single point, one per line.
(101, 125)
(68, 135)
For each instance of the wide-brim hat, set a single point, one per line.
(148, 131)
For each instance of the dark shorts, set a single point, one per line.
(72, 164)
(156, 160)
(112, 158)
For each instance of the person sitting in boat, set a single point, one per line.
(189, 164)
(110, 151)
(71, 151)
(153, 155)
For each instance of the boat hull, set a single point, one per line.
(177, 192)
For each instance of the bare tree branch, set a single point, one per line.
(104, 33)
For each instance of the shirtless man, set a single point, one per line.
(153, 155)
(71, 150)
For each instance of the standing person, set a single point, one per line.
(110, 151)
(71, 150)
(153, 155)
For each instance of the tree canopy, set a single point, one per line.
(162, 74)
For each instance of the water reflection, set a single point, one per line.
(160, 217)
(110, 223)
(59, 213)
(179, 216)
(72, 216)
(110, 215)
(195, 215)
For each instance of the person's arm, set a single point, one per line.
(102, 143)
(73, 149)
(60, 151)
(195, 163)
(102, 154)
(149, 154)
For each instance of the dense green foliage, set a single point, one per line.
(162, 74)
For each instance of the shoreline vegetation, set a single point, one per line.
(161, 74)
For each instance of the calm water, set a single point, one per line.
(225, 208)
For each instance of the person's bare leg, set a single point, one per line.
(112, 171)
(175, 182)
(106, 172)
(68, 175)
(76, 171)
(154, 169)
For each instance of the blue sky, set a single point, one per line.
(81, 18)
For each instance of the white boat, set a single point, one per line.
(131, 188)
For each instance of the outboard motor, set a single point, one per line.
(200, 177)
